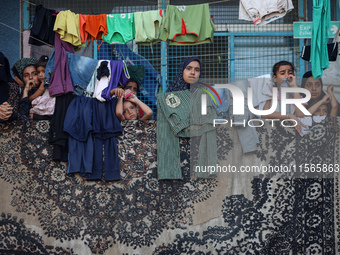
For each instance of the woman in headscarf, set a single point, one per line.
(189, 73)
(315, 87)
(17, 104)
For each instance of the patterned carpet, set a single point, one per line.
(45, 211)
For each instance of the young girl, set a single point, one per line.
(42, 106)
(128, 109)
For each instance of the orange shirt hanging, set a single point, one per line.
(96, 27)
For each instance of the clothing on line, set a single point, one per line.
(121, 28)
(103, 82)
(57, 136)
(181, 26)
(42, 27)
(320, 35)
(78, 124)
(106, 128)
(60, 80)
(96, 27)
(147, 27)
(80, 68)
(174, 122)
(67, 25)
(119, 75)
(263, 12)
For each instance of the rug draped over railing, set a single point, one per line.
(45, 211)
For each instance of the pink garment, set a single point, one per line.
(43, 105)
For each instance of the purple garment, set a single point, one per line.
(60, 82)
(119, 74)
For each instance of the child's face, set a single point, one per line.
(132, 86)
(41, 73)
(283, 72)
(129, 111)
(321, 111)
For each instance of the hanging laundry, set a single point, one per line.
(95, 26)
(119, 75)
(103, 79)
(106, 128)
(78, 124)
(42, 28)
(57, 136)
(320, 36)
(147, 27)
(80, 69)
(264, 12)
(121, 28)
(60, 80)
(82, 31)
(67, 25)
(187, 25)
(175, 119)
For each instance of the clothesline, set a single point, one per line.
(202, 55)
(216, 2)
(21, 32)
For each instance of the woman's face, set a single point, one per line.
(314, 86)
(192, 72)
(30, 73)
(129, 111)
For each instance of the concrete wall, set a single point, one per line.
(10, 38)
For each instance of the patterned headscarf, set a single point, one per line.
(20, 65)
(179, 83)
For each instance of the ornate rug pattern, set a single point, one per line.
(45, 211)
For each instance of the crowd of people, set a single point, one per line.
(26, 98)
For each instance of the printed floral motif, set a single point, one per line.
(283, 216)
